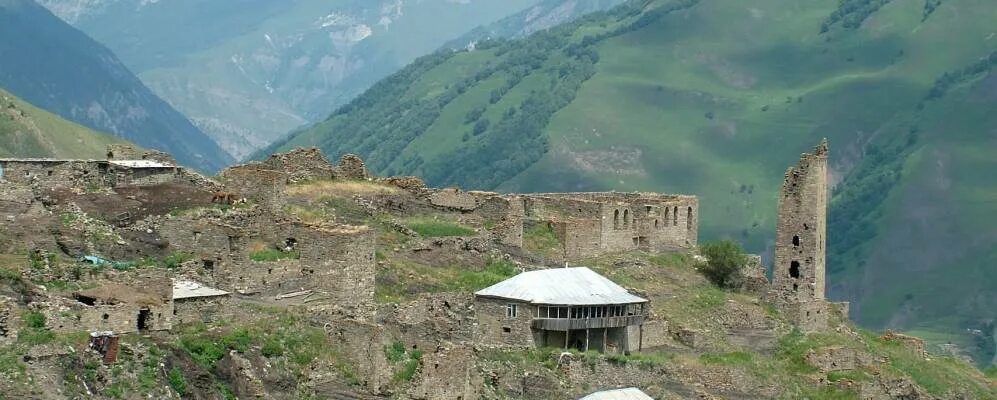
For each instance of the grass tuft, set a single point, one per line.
(427, 227)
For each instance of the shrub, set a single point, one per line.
(724, 261)
(34, 319)
(177, 381)
(206, 351)
(272, 348)
(271, 255)
(395, 352)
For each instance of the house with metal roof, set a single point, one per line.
(563, 307)
(618, 394)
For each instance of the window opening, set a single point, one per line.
(794, 269)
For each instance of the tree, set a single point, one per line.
(724, 260)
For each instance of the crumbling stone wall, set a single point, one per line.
(836, 358)
(495, 328)
(121, 175)
(433, 319)
(351, 167)
(448, 373)
(618, 221)
(8, 327)
(49, 174)
(129, 152)
(301, 165)
(141, 298)
(202, 309)
(453, 198)
(254, 182)
(580, 238)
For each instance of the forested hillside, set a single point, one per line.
(27, 131)
(716, 98)
(50, 64)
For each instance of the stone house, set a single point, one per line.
(562, 307)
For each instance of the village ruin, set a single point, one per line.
(236, 240)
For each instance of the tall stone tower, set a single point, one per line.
(801, 240)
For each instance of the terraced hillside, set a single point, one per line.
(28, 131)
(715, 97)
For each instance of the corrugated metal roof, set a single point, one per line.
(567, 286)
(618, 394)
(141, 164)
(191, 289)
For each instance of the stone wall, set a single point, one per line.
(599, 223)
(301, 165)
(836, 358)
(129, 152)
(448, 373)
(51, 174)
(256, 183)
(144, 176)
(454, 199)
(495, 328)
(351, 167)
(202, 309)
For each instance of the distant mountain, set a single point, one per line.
(28, 131)
(716, 98)
(545, 14)
(52, 65)
(248, 71)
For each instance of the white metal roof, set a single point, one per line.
(141, 164)
(191, 289)
(618, 394)
(561, 286)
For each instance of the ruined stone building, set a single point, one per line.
(562, 307)
(124, 166)
(801, 242)
(145, 304)
(590, 224)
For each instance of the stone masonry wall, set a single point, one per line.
(496, 329)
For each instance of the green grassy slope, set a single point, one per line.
(716, 98)
(28, 131)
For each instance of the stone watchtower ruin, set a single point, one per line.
(798, 279)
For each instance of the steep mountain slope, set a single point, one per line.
(28, 131)
(545, 14)
(248, 71)
(56, 67)
(715, 98)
